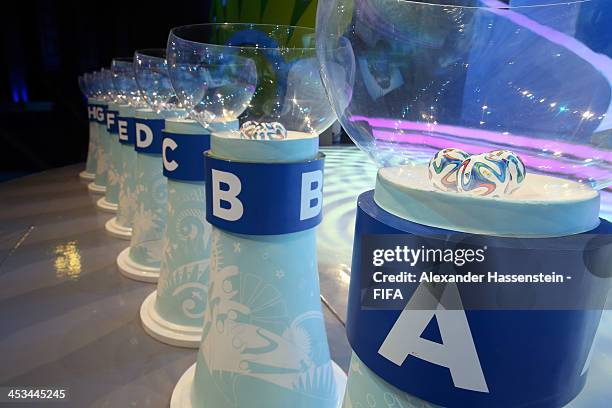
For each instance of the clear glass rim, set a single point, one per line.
(98, 75)
(173, 33)
(157, 53)
(501, 6)
(121, 60)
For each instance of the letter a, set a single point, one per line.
(457, 353)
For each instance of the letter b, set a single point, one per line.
(229, 196)
(312, 186)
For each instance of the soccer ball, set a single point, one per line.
(271, 131)
(443, 168)
(484, 174)
(248, 129)
(516, 169)
(263, 131)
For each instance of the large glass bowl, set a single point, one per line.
(124, 81)
(96, 85)
(409, 78)
(107, 89)
(249, 72)
(151, 71)
(82, 85)
(87, 88)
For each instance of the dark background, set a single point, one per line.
(45, 46)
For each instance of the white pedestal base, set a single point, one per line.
(105, 206)
(544, 206)
(94, 188)
(87, 176)
(117, 231)
(181, 396)
(135, 271)
(165, 331)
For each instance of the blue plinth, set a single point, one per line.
(521, 358)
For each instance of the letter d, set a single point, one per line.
(144, 136)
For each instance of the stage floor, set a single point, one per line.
(69, 319)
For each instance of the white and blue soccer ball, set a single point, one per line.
(443, 168)
(496, 174)
(263, 131)
(248, 129)
(271, 131)
(516, 169)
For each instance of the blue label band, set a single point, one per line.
(126, 128)
(264, 198)
(470, 358)
(149, 135)
(183, 156)
(111, 122)
(101, 114)
(97, 113)
(91, 112)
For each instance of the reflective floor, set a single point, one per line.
(69, 319)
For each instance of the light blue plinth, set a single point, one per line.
(150, 211)
(366, 389)
(103, 153)
(151, 206)
(127, 177)
(92, 163)
(264, 343)
(183, 284)
(115, 159)
(127, 186)
(182, 288)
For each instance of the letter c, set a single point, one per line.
(169, 144)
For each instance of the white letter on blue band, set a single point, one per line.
(264, 198)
